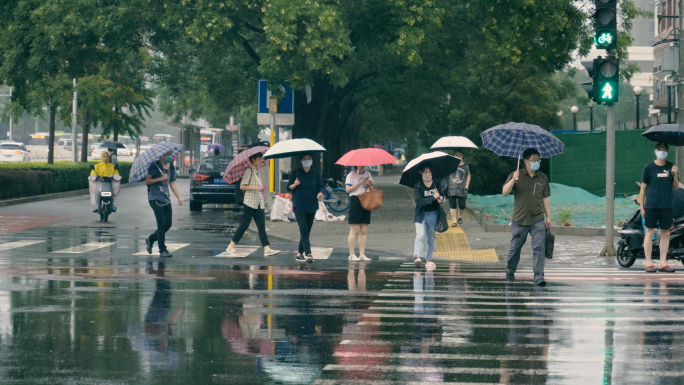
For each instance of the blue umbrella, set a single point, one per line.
(152, 154)
(511, 139)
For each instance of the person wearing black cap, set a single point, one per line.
(658, 181)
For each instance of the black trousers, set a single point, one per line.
(305, 222)
(259, 220)
(163, 214)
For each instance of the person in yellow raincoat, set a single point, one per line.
(103, 169)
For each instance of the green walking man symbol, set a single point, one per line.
(607, 92)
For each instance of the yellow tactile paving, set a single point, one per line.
(453, 244)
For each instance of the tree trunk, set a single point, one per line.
(86, 132)
(51, 136)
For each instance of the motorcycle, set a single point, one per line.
(103, 190)
(631, 244)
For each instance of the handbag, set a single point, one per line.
(371, 200)
(550, 239)
(442, 225)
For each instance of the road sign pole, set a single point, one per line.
(609, 249)
(272, 165)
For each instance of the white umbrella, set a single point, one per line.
(292, 147)
(452, 143)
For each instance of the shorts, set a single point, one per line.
(658, 218)
(456, 202)
(357, 214)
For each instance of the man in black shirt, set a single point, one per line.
(659, 179)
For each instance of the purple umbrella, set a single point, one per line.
(215, 146)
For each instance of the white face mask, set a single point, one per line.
(661, 155)
(307, 163)
(427, 179)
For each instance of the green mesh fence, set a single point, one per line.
(583, 162)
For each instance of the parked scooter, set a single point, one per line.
(103, 190)
(631, 244)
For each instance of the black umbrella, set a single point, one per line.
(672, 134)
(441, 165)
(111, 144)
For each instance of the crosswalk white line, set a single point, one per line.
(171, 247)
(602, 305)
(84, 248)
(242, 251)
(17, 244)
(321, 252)
(548, 308)
(617, 328)
(597, 317)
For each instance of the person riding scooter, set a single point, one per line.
(103, 169)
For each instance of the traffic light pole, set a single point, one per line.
(609, 248)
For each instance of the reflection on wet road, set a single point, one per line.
(79, 306)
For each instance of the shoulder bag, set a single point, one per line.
(371, 200)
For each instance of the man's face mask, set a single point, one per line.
(661, 155)
(534, 166)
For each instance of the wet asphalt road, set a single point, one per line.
(82, 303)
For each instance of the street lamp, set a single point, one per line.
(591, 106)
(574, 111)
(637, 92)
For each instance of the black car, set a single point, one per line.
(207, 184)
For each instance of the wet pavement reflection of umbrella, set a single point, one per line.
(672, 134)
(441, 164)
(236, 168)
(293, 147)
(142, 163)
(452, 143)
(366, 157)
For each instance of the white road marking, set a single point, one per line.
(242, 251)
(17, 244)
(171, 247)
(321, 252)
(86, 247)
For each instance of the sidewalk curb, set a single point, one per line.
(47, 197)
(573, 231)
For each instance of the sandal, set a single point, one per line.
(651, 269)
(232, 251)
(454, 224)
(271, 252)
(460, 221)
(666, 269)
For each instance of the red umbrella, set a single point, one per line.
(366, 157)
(236, 168)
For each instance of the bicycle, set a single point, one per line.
(336, 198)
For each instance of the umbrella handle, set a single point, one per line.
(517, 168)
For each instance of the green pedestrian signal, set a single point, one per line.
(606, 80)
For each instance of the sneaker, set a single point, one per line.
(232, 251)
(354, 258)
(429, 266)
(666, 269)
(165, 254)
(540, 282)
(309, 258)
(651, 269)
(271, 252)
(113, 209)
(460, 221)
(417, 262)
(148, 246)
(95, 211)
(364, 258)
(300, 258)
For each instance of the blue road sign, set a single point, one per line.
(285, 105)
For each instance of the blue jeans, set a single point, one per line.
(425, 229)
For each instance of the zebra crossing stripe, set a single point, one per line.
(17, 244)
(242, 251)
(86, 247)
(602, 305)
(171, 247)
(321, 252)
